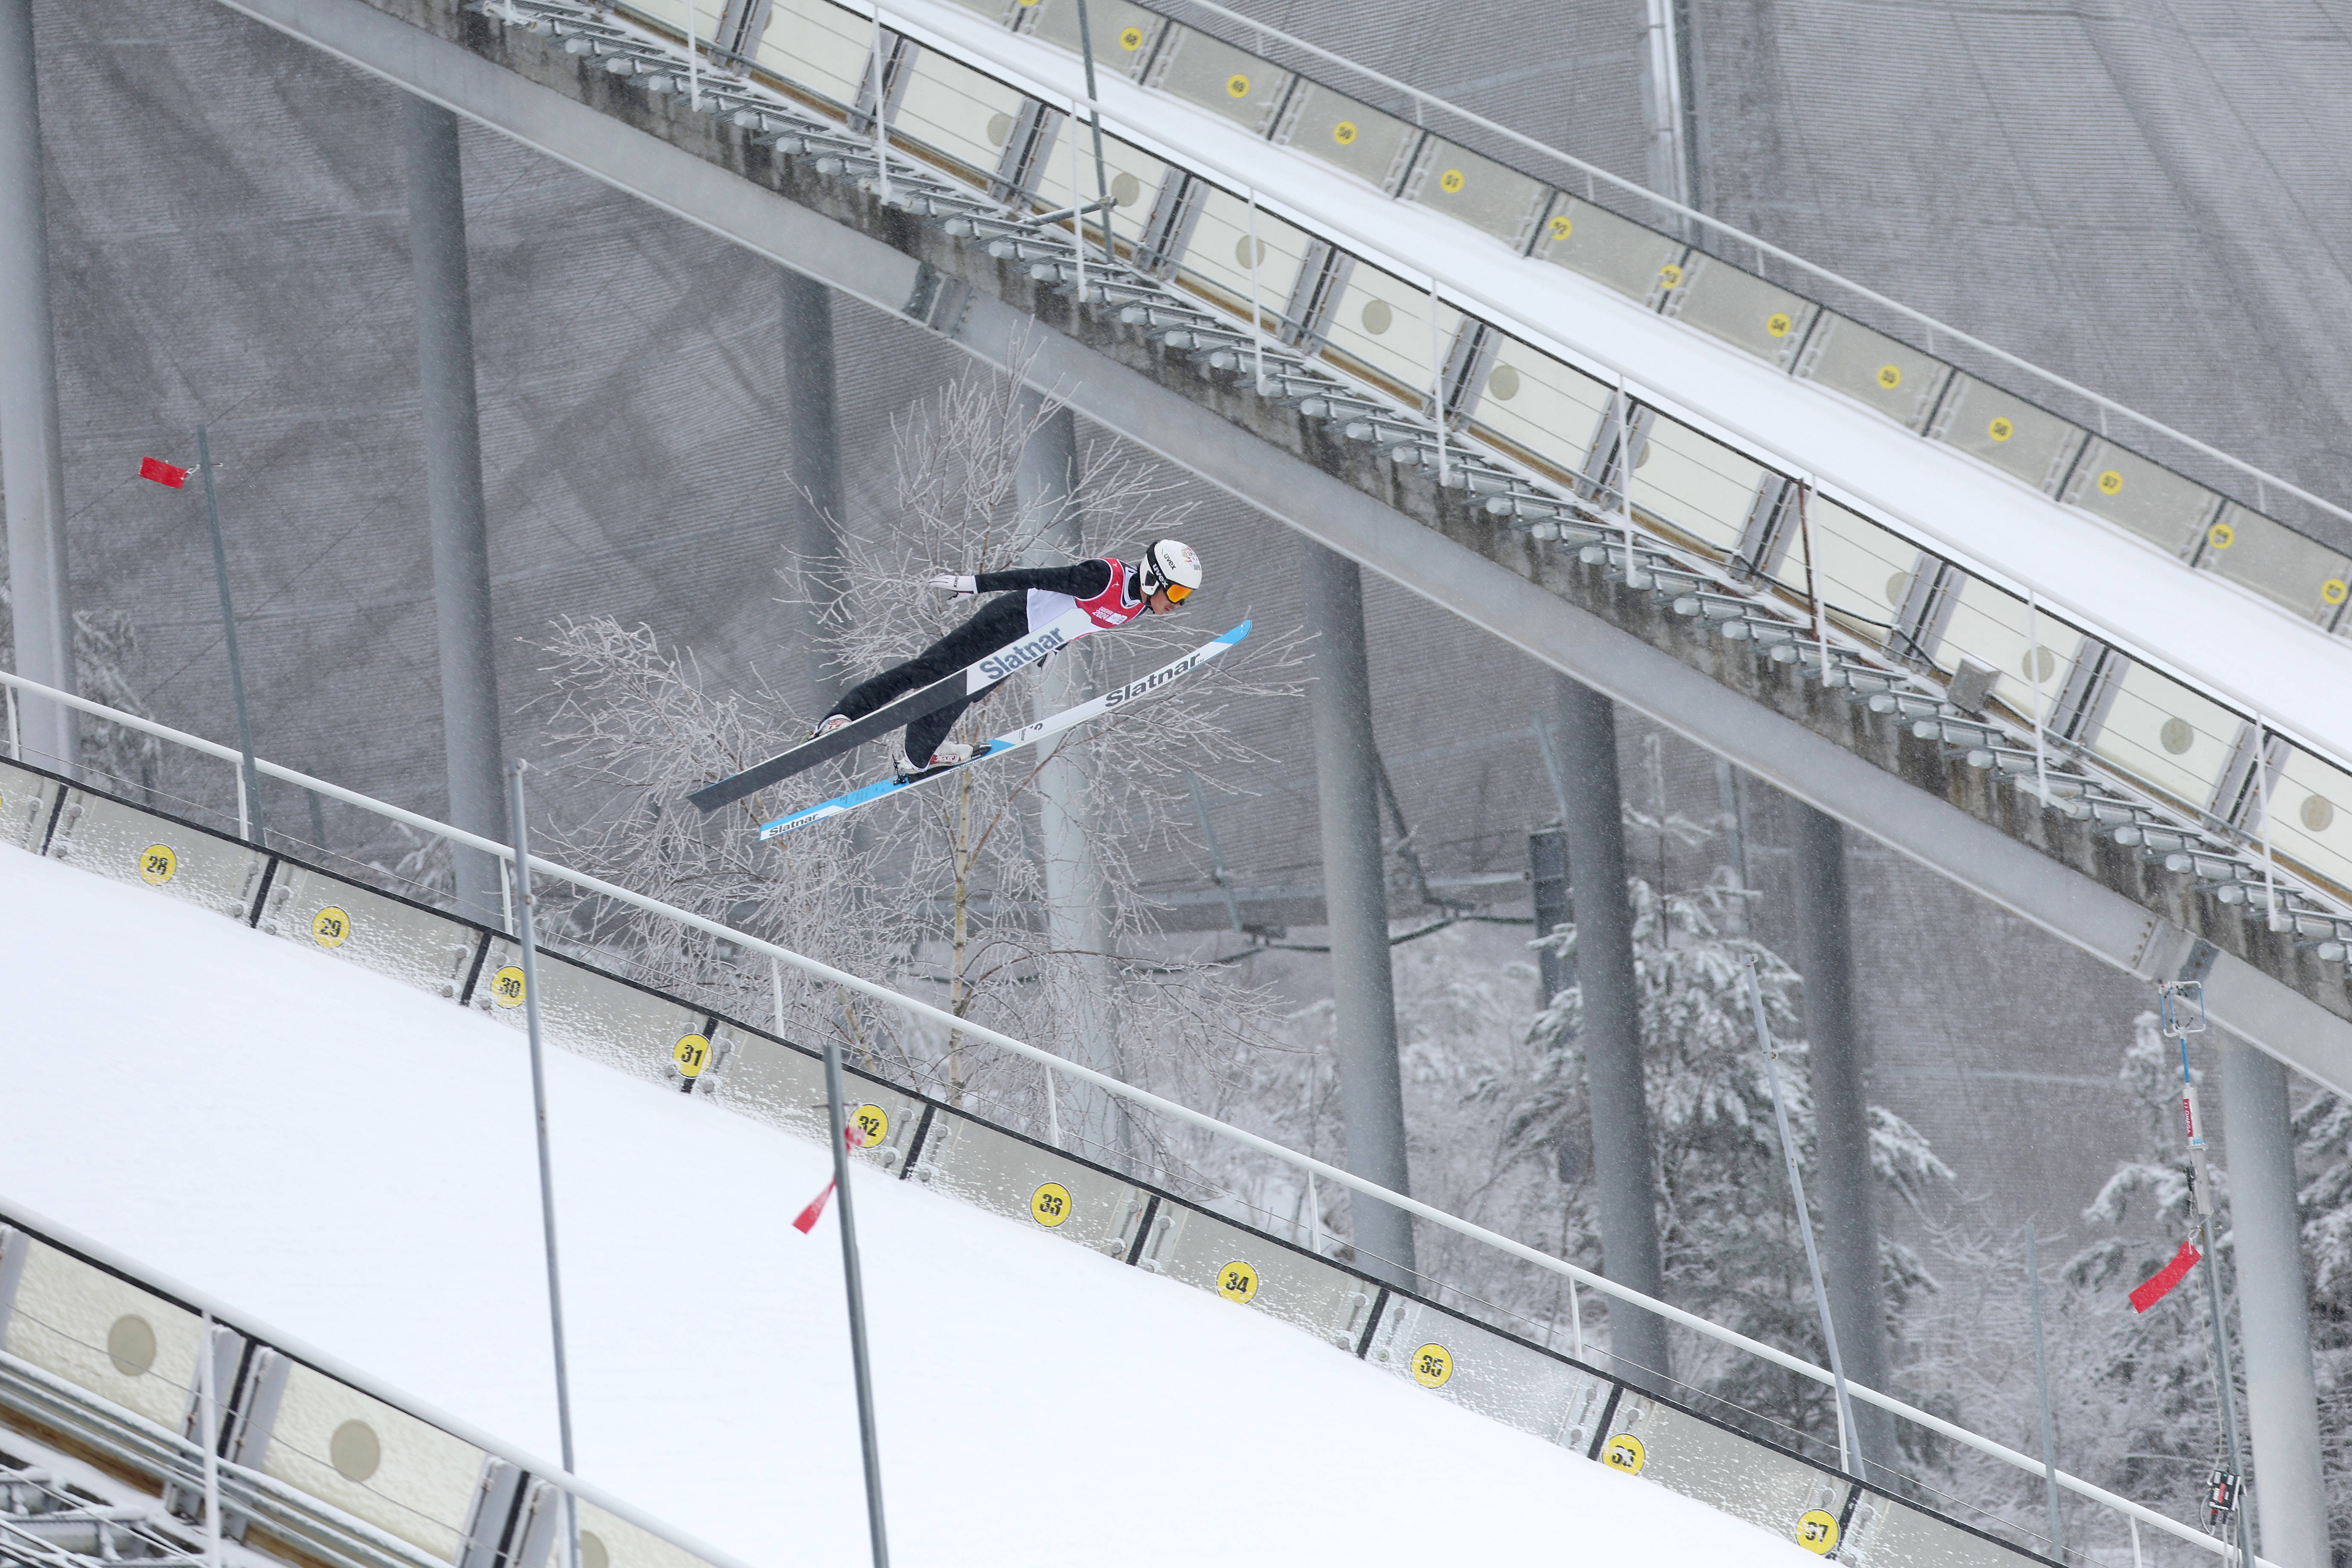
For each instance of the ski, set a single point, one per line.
(1027, 735)
(978, 676)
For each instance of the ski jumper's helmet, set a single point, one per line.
(1171, 564)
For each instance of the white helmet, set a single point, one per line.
(1172, 565)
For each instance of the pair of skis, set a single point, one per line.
(970, 681)
(1027, 735)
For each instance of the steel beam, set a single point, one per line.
(32, 460)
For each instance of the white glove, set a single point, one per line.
(962, 587)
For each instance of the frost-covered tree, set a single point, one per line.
(1727, 1223)
(105, 645)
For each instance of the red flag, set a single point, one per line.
(805, 1221)
(164, 473)
(2158, 1285)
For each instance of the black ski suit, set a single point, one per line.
(999, 622)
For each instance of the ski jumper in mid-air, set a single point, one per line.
(1111, 591)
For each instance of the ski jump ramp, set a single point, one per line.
(2101, 693)
(351, 1158)
(303, 1093)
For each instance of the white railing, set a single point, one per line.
(915, 1007)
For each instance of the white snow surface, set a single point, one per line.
(351, 1161)
(2223, 635)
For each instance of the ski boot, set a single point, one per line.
(828, 724)
(948, 755)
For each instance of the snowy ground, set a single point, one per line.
(351, 1161)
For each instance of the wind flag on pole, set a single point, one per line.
(2158, 1285)
(167, 474)
(805, 1221)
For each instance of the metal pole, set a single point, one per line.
(2274, 1306)
(1846, 1456)
(208, 1423)
(1735, 843)
(854, 1283)
(2042, 1382)
(249, 787)
(2225, 1382)
(1094, 113)
(1346, 774)
(456, 506)
(526, 906)
(881, 131)
(32, 463)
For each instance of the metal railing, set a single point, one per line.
(914, 1007)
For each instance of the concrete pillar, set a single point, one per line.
(1077, 911)
(819, 503)
(1355, 898)
(1621, 1155)
(2274, 1307)
(32, 460)
(452, 492)
(1842, 1184)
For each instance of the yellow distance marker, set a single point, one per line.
(873, 1124)
(2221, 536)
(1890, 377)
(2001, 429)
(1049, 1205)
(2334, 590)
(1431, 1365)
(1131, 39)
(2111, 483)
(1237, 86)
(1624, 1452)
(1344, 132)
(158, 865)
(1237, 1282)
(331, 927)
(1451, 181)
(1669, 275)
(1779, 324)
(1561, 226)
(692, 1053)
(506, 987)
(1817, 1531)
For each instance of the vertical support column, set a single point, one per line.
(453, 490)
(1077, 913)
(1841, 1122)
(32, 460)
(2274, 1307)
(1671, 167)
(1621, 1155)
(819, 501)
(1355, 896)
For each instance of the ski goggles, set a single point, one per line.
(1177, 592)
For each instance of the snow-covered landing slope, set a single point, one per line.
(351, 1161)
